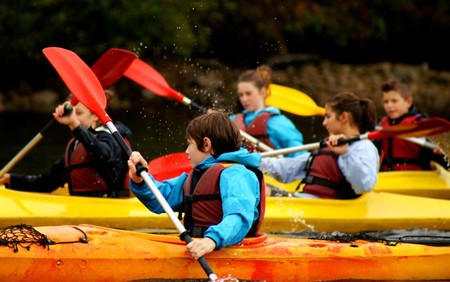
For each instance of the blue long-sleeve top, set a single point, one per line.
(359, 166)
(281, 130)
(239, 190)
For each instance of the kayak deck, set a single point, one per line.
(424, 183)
(117, 255)
(372, 211)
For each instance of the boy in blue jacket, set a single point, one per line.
(221, 197)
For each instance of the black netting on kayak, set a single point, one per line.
(390, 237)
(24, 236)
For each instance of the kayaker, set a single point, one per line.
(93, 165)
(267, 124)
(400, 154)
(335, 172)
(221, 197)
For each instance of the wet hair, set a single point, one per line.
(362, 111)
(395, 84)
(217, 126)
(261, 77)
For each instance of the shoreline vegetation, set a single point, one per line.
(212, 84)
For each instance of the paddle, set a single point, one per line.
(109, 68)
(83, 83)
(169, 166)
(427, 127)
(293, 101)
(145, 75)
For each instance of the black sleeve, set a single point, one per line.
(46, 182)
(101, 148)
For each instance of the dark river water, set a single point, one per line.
(155, 133)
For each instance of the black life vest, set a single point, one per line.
(257, 128)
(203, 203)
(324, 178)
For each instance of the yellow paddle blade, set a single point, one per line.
(293, 101)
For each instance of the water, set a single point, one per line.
(156, 132)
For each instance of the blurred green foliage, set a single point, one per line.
(241, 33)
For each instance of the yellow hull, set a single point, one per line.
(433, 183)
(373, 211)
(115, 255)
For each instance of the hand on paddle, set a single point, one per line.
(334, 146)
(136, 158)
(199, 247)
(69, 119)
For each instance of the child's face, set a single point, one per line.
(195, 155)
(395, 105)
(332, 122)
(251, 98)
(84, 115)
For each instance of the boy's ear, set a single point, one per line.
(207, 145)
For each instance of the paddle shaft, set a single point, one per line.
(422, 142)
(427, 127)
(33, 142)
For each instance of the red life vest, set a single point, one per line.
(84, 179)
(203, 203)
(324, 178)
(399, 154)
(257, 128)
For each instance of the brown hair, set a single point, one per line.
(217, 126)
(362, 111)
(261, 77)
(395, 84)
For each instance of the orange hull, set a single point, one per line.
(115, 255)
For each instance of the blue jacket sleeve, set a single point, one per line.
(171, 189)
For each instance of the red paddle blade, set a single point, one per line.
(169, 166)
(110, 67)
(80, 80)
(149, 78)
(422, 128)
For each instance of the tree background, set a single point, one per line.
(319, 47)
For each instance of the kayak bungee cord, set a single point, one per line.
(25, 236)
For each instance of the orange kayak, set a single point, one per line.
(93, 253)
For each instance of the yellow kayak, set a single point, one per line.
(373, 211)
(431, 183)
(93, 253)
